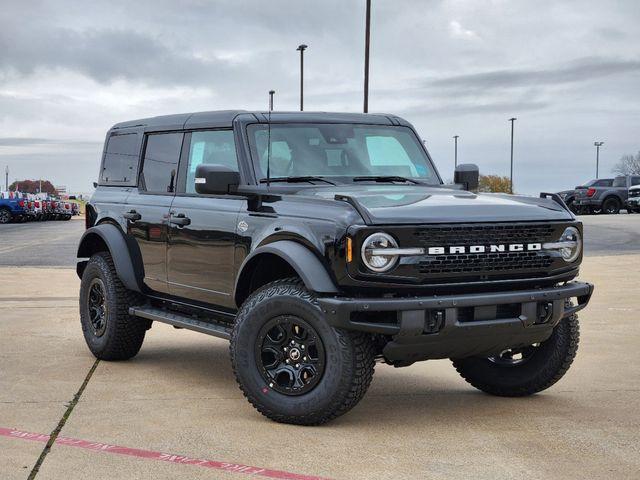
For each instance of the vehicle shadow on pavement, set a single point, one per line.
(204, 370)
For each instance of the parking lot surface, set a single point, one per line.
(176, 405)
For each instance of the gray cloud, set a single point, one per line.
(581, 70)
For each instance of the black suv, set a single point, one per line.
(318, 243)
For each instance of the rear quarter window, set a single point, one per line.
(120, 164)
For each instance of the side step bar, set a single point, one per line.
(182, 321)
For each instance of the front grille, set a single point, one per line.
(485, 262)
(482, 234)
(485, 265)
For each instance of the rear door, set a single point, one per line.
(148, 206)
(202, 231)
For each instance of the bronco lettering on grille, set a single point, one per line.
(514, 247)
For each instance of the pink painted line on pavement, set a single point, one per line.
(159, 456)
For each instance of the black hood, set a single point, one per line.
(411, 204)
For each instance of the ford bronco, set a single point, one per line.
(318, 244)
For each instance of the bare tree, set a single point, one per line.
(628, 165)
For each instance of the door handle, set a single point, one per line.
(180, 220)
(132, 215)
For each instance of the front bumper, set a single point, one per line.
(634, 202)
(458, 326)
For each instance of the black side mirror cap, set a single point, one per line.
(216, 179)
(467, 175)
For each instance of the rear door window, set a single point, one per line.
(121, 160)
(160, 164)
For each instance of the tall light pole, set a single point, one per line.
(367, 38)
(301, 49)
(511, 176)
(455, 155)
(597, 145)
(271, 93)
(6, 178)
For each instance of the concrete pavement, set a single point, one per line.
(179, 396)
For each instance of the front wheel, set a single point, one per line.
(525, 371)
(291, 365)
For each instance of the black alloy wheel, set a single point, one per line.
(290, 355)
(98, 307)
(5, 215)
(611, 206)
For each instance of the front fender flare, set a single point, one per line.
(123, 253)
(308, 267)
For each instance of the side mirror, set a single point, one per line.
(215, 179)
(467, 175)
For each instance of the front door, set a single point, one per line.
(202, 231)
(148, 206)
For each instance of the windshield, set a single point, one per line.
(340, 152)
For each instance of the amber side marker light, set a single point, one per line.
(349, 249)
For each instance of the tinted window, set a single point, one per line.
(635, 180)
(607, 182)
(120, 160)
(161, 162)
(620, 182)
(213, 147)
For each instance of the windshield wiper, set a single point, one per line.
(385, 178)
(307, 178)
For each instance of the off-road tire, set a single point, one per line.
(123, 334)
(611, 206)
(550, 362)
(348, 369)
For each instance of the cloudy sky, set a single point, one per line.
(568, 70)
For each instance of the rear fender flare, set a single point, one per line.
(123, 250)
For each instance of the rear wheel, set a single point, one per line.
(525, 371)
(5, 215)
(611, 206)
(110, 332)
(290, 364)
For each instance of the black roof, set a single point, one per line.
(222, 118)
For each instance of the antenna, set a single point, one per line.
(268, 149)
(271, 92)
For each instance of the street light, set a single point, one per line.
(367, 37)
(455, 155)
(597, 145)
(301, 49)
(511, 176)
(271, 92)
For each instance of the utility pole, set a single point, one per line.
(511, 176)
(6, 178)
(271, 92)
(301, 49)
(455, 155)
(598, 145)
(367, 41)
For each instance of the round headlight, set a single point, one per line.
(373, 257)
(571, 237)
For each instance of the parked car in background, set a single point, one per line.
(569, 196)
(13, 207)
(633, 199)
(606, 198)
